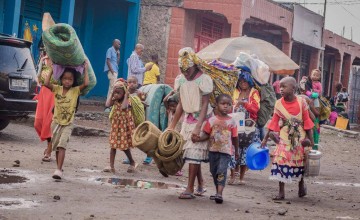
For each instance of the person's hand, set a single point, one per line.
(195, 135)
(172, 92)
(149, 66)
(263, 143)
(86, 64)
(44, 57)
(237, 155)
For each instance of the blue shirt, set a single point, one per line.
(111, 54)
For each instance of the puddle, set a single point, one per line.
(9, 177)
(15, 203)
(339, 184)
(140, 184)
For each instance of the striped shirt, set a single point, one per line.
(136, 67)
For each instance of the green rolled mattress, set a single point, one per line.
(156, 112)
(64, 48)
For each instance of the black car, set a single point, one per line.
(17, 79)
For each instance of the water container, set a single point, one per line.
(257, 158)
(312, 166)
(239, 117)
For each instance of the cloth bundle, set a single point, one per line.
(65, 50)
(224, 77)
(169, 155)
(137, 110)
(146, 137)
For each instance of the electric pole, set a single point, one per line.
(323, 52)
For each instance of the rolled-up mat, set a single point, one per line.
(146, 137)
(170, 152)
(64, 48)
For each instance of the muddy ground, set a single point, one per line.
(86, 193)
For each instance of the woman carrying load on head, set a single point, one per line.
(45, 105)
(194, 88)
(246, 99)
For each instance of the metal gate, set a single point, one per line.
(355, 96)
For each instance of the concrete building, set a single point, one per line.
(97, 23)
(169, 25)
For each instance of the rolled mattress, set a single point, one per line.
(64, 48)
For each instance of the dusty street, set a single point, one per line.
(86, 194)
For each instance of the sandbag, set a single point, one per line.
(170, 152)
(64, 48)
(146, 137)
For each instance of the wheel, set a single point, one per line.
(4, 123)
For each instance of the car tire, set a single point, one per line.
(4, 123)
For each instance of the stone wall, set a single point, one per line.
(154, 30)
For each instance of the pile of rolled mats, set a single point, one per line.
(165, 147)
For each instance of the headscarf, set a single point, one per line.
(187, 58)
(120, 83)
(245, 75)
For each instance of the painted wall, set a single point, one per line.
(97, 25)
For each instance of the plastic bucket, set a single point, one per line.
(257, 158)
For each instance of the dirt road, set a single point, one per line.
(82, 195)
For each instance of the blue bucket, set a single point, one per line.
(257, 158)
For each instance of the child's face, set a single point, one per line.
(286, 89)
(132, 84)
(224, 106)
(67, 80)
(315, 76)
(189, 72)
(118, 93)
(172, 106)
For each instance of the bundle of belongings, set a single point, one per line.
(260, 74)
(65, 50)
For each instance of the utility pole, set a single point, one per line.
(322, 43)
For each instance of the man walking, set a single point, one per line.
(135, 65)
(111, 66)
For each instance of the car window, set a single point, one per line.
(13, 58)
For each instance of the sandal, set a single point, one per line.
(46, 158)
(200, 191)
(131, 168)
(231, 181)
(242, 182)
(212, 197)
(147, 161)
(109, 170)
(126, 161)
(278, 198)
(186, 195)
(219, 199)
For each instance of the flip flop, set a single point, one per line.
(200, 191)
(231, 181)
(242, 182)
(126, 161)
(46, 158)
(109, 170)
(212, 197)
(147, 161)
(219, 199)
(186, 195)
(278, 198)
(131, 169)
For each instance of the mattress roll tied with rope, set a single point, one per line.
(146, 137)
(65, 50)
(169, 153)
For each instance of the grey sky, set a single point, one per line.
(339, 13)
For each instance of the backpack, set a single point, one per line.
(267, 103)
(325, 108)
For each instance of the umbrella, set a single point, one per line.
(227, 49)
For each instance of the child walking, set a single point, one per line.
(194, 88)
(222, 131)
(66, 99)
(122, 125)
(291, 119)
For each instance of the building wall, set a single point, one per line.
(154, 32)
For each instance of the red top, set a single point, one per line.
(294, 109)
